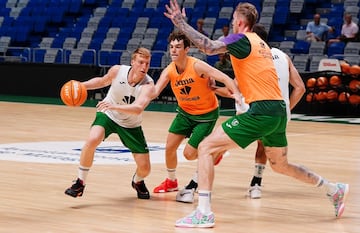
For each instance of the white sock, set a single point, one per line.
(259, 169)
(137, 178)
(204, 203)
(83, 173)
(330, 188)
(195, 177)
(171, 173)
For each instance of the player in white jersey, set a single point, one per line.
(120, 112)
(287, 73)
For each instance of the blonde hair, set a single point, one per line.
(249, 12)
(143, 52)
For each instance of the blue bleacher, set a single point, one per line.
(68, 18)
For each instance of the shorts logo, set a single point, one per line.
(234, 122)
(108, 152)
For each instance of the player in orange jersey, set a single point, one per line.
(266, 118)
(198, 110)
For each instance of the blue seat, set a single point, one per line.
(301, 47)
(114, 57)
(335, 48)
(160, 44)
(212, 11)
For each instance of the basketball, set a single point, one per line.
(310, 83)
(335, 81)
(73, 93)
(345, 67)
(354, 99)
(331, 95)
(354, 69)
(354, 85)
(343, 97)
(322, 82)
(310, 97)
(321, 96)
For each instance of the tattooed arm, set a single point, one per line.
(205, 44)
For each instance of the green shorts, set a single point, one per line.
(132, 138)
(196, 128)
(269, 127)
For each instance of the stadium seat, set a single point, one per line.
(335, 48)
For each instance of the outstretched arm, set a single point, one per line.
(205, 44)
(104, 81)
(137, 107)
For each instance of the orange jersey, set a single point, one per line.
(256, 74)
(192, 92)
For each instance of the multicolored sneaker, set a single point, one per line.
(76, 190)
(255, 192)
(185, 195)
(338, 199)
(167, 186)
(196, 219)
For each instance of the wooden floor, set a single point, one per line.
(32, 194)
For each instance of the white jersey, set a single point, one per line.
(122, 93)
(282, 69)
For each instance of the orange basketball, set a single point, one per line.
(354, 85)
(332, 95)
(354, 69)
(322, 82)
(310, 83)
(345, 67)
(310, 97)
(321, 96)
(343, 97)
(354, 99)
(73, 93)
(335, 81)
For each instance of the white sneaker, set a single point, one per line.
(255, 192)
(185, 195)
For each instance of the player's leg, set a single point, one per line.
(133, 138)
(200, 131)
(170, 184)
(96, 136)
(277, 156)
(217, 142)
(143, 170)
(260, 162)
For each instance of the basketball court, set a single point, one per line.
(39, 148)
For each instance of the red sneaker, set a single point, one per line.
(167, 186)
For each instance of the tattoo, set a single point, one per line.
(201, 41)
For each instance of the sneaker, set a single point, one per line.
(220, 157)
(185, 195)
(338, 199)
(196, 219)
(142, 191)
(167, 186)
(76, 190)
(255, 192)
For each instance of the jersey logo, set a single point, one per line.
(185, 91)
(128, 99)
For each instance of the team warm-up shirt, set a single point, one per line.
(120, 92)
(192, 92)
(253, 67)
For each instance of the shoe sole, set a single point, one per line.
(67, 192)
(209, 225)
(168, 191)
(342, 207)
(192, 201)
